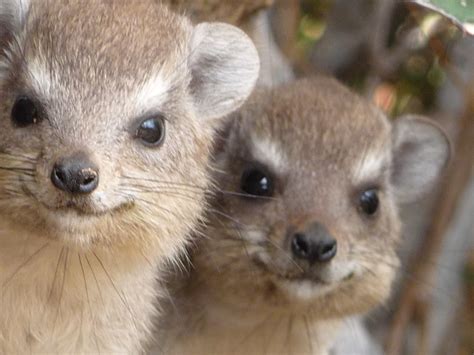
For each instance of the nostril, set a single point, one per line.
(300, 246)
(88, 176)
(88, 180)
(327, 250)
(59, 177)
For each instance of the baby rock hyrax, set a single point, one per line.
(107, 110)
(304, 231)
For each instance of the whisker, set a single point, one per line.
(169, 193)
(164, 182)
(405, 270)
(85, 284)
(58, 310)
(155, 205)
(118, 292)
(55, 275)
(285, 253)
(244, 195)
(95, 278)
(25, 263)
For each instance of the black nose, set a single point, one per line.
(75, 175)
(315, 244)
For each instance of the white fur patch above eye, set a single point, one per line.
(17, 10)
(4, 66)
(370, 166)
(269, 153)
(40, 78)
(153, 92)
(22, 7)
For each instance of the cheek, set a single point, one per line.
(379, 280)
(371, 287)
(377, 265)
(22, 140)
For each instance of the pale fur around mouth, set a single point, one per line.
(73, 206)
(80, 212)
(317, 283)
(310, 288)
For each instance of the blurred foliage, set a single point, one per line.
(459, 11)
(413, 86)
(313, 22)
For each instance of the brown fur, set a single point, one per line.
(79, 272)
(246, 293)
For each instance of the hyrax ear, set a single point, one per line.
(421, 150)
(225, 65)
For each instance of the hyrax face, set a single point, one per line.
(307, 218)
(107, 109)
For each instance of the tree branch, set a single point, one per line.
(456, 180)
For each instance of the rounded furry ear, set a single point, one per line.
(224, 65)
(421, 150)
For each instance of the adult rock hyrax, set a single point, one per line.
(304, 231)
(107, 112)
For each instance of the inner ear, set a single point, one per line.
(421, 150)
(224, 65)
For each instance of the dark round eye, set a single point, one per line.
(256, 183)
(24, 112)
(152, 131)
(369, 202)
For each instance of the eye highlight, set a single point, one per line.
(256, 182)
(24, 112)
(369, 202)
(151, 131)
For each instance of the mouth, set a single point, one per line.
(81, 210)
(77, 207)
(72, 222)
(302, 276)
(71, 207)
(290, 276)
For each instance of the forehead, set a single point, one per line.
(102, 42)
(315, 123)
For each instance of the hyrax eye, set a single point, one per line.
(152, 131)
(369, 202)
(24, 112)
(256, 182)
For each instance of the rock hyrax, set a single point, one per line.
(304, 231)
(107, 114)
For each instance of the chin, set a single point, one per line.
(305, 291)
(355, 294)
(71, 228)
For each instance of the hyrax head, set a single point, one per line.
(107, 112)
(307, 217)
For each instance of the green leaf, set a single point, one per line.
(459, 11)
